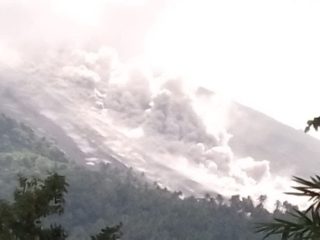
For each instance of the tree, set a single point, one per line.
(109, 233)
(301, 224)
(36, 199)
(315, 123)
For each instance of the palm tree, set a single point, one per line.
(300, 224)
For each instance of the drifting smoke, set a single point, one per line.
(156, 124)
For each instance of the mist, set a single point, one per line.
(85, 75)
(154, 123)
(31, 29)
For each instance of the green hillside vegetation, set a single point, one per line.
(23, 151)
(104, 195)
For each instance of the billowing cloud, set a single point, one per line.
(53, 63)
(151, 121)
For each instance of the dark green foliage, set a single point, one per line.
(308, 188)
(45, 196)
(34, 199)
(105, 195)
(315, 123)
(302, 224)
(29, 216)
(109, 233)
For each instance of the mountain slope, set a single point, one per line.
(99, 110)
(106, 194)
(290, 151)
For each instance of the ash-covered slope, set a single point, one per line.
(101, 110)
(288, 149)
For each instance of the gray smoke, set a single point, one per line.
(155, 123)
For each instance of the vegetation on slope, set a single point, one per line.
(303, 224)
(105, 195)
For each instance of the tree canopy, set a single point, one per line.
(105, 194)
(315, 123)
(35, 200)
(300, 224)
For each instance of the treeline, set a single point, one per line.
(104, 196)
(109, 196)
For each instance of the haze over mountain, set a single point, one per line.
(290, 150)
(184, 137)
(137, 94)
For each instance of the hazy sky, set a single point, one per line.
(264, 53)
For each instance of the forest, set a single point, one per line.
(104, 195)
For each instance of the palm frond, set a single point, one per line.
(302, 224)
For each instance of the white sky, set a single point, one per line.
(264, 53)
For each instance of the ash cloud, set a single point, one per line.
(153, 122)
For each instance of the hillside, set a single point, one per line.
(99, 112)
(107, 195)
(290, 151)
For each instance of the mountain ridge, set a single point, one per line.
(266, 138)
